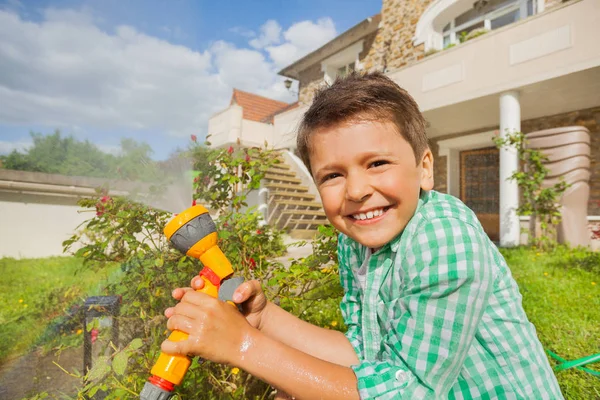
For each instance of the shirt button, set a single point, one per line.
(401, 376)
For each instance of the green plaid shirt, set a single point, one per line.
(440, 315)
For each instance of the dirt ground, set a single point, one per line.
(35, 373)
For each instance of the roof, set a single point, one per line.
(255, 107)
(352, 35)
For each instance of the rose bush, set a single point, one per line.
(131, 234)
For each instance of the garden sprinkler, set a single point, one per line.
(192, 232)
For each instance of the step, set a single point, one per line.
(280, 172)
(289, 186)
(315, 213)
(282, 178)
(314, 204)
(281, 166)
(304, 196)
(303, 233)
(307, 221)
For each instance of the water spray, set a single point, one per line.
(193, 233)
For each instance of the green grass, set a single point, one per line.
(561, 296)
(35, 292)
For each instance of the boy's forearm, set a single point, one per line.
(299, 374)
(328, 345)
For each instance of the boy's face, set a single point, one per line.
(368, 179)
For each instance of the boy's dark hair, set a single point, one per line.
(363, 97)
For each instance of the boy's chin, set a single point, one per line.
(375, 243)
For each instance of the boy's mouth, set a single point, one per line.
(371, 214)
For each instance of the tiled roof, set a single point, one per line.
(256, 108)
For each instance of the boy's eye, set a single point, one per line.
(329, 177)
(378, 163)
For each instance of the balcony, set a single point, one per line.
(228, 127)
(552, 60)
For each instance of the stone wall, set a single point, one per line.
(310, 80)
(393, 47)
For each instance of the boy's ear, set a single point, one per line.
(427, 170)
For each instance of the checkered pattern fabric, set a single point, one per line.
(440, 315)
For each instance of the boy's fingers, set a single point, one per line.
(179, 292)
(197, 298)
(179, 323)
(245, 291)
(170, 347)
(197, 283)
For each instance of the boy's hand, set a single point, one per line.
(249, 294)
(216, 329)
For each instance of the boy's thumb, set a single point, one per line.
(242, 293)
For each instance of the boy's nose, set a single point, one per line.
(358, 189)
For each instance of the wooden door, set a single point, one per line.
(480, 187)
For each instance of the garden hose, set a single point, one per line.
(576, 363)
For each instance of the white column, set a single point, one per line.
(510, 121)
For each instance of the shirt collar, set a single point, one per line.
(395, 243)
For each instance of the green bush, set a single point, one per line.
(131, 234)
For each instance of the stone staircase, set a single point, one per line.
(291, 206)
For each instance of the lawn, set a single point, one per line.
(561, 296)
(35, 294)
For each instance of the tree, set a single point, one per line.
(56, 154)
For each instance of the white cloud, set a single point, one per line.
(59, 73)
(242, 68)
(300, 39)
(64, 71)
(270, 33)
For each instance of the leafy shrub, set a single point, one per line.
(475, 33)
(539, 202)
(131, 234)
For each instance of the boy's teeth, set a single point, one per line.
(368, 215)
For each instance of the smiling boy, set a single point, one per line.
(431, 308)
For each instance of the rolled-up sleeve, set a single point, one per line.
(447, 271)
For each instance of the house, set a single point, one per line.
(248, 121)
(475, 68)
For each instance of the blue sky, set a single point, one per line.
(149, 70)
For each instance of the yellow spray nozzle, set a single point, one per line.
(193, 232)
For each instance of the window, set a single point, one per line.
(485, 14)
(342, 62)
(346, 69)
